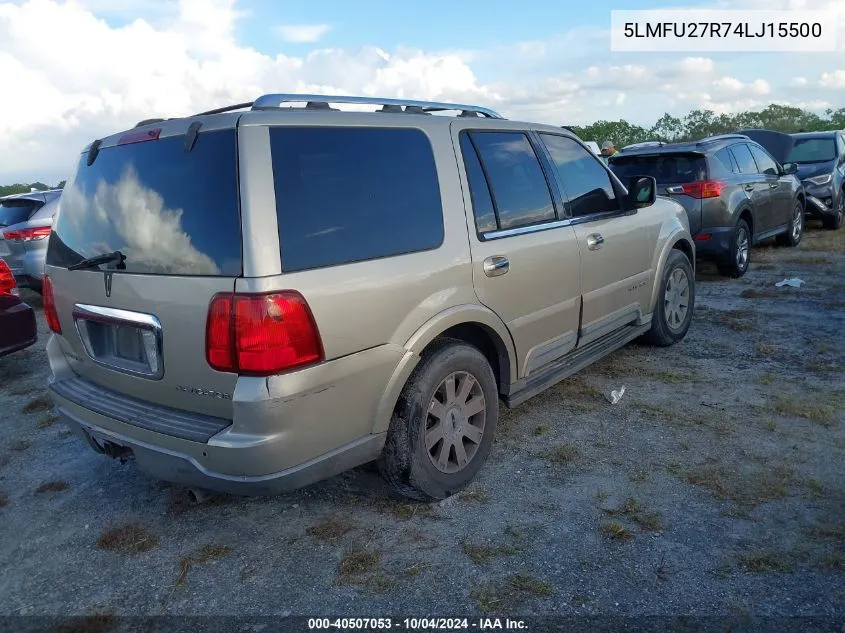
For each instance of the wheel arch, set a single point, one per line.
(678, 240)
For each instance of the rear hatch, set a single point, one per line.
(169, 207)
(14, 211)
(674, 172)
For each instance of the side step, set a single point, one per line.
(573, 363)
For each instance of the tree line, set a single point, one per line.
(18, 187)
(701, 123)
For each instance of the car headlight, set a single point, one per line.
(820, 180)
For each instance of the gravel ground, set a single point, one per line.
(714, 487)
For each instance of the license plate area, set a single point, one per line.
(125, 341)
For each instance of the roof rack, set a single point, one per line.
(322, 102)
(721, 137)
(644, 144)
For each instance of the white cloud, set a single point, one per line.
(303, 33)
(798, 82)
(835, 79)
(731, 85)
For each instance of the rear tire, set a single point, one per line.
(834, 222)
(795, 232)
(444, 423)
(675, 302)
(739, 257)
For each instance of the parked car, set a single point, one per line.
(25, 223)
(736, 194)
(820, 157)
(17, 319)
(279, 294)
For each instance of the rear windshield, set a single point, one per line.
(812, 150)
(167, 210)
(665, 168)
(19, 210)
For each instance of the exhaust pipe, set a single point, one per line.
(197, 496)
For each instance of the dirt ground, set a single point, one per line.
(714, 487)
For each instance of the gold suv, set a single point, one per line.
(259, 297)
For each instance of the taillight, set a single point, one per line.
(139, 137)
(8, 286)
(35, 233)
(49, 304)
(704, 188)
(261, 334)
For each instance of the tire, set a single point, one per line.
(795, 232)
(834, 222)
(406, 462)
(675, 302)
(736, 264)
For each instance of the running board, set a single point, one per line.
(573, 363)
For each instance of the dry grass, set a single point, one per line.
(765, 350)
(834, 561)
(543, 429)
(205, 554)
(127, 539)
(41, 403)
(759, 293)
(563, 455)
(407, 511)
(508, 596)
(53, 486)
(747, 487)
(47, 420)
(362, 568)
(793, 407)
(616, 531)
(329, 530)
(481, 554)
(475, 494)
(824, 241)
(634, 510)
(740, 320)
(763, 562)
(656, 411)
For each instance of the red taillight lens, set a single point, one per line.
(35, 233)
(261, 335)
(702, 237)
(704, 188)
(139, 137)
(8, 286)
(49, 304)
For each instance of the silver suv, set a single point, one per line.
(259, 297)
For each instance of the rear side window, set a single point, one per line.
(169, 211)
(482, 202)
(348, 194)
(586, 182)
(17, 210)
(726, 159)
(765, 163)
(520, 193)
(666, 169)
(744, 159)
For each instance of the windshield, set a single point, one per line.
(14, 211)
(665, 168)
(813, 150)
(169, 211)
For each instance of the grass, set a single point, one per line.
(129, 539)
(563, 454)
(764, 350)
(748, 487)
(766, 378)
(655, 411)
(475, 494)
(205, 554)
(541, 430)
(634, 510)
(616, 531)
(509, 595)
(602, 496)
(53, 486)
(47, 420)
(329, 530)
(792, 407)
(815, 488)
(758, 293)
(41, 403)
(481, 554)
(362, 568)
(828, 531)
(407, 511)
(834, 560)
(740, 320)
(763, 562)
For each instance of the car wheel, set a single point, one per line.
(736, 264)
(675, 302)
(443, 426)
(834, 222)
(795, 232)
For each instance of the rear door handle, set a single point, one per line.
(749, 187)
(496, 265)
(595, 241)
(774, 185)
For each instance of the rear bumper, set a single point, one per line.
(18, 329)
(717, 245)
(287, 431)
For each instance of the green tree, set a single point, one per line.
(668, 128)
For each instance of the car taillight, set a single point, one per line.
(261, 334)
(49, 304)
(704, 188)
(34, 233)
(8, 286)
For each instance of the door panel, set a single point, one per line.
(780, 199)
(756, 189)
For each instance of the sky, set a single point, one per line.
(72, 71)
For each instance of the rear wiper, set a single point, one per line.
(100, 259)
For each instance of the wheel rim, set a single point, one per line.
(455, 422)
(741, 248)
(676, 298)
(797, 222)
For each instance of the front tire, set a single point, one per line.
(795, 232)
(834, 222)
(444, 423)
(675, 302)
(739, 257)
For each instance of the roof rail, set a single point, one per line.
(721, 137)
(274, 101)
(644, 144)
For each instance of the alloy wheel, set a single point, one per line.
(676, 299)
(455, 422)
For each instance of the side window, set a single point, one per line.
(726, 159)
(765, 163)
(586, 182)
(744, 159)
(482, 201)
(348, 194)
(521, 196)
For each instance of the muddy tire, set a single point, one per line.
(444, 423)
(736, 263)
(675, 302)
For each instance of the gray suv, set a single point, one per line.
(735, 194)
(259, 297)
(25, 224)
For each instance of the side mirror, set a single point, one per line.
(642, 191)
(790, 168)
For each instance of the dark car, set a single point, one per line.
(821, 167)
(17, 319)
(735, 193)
